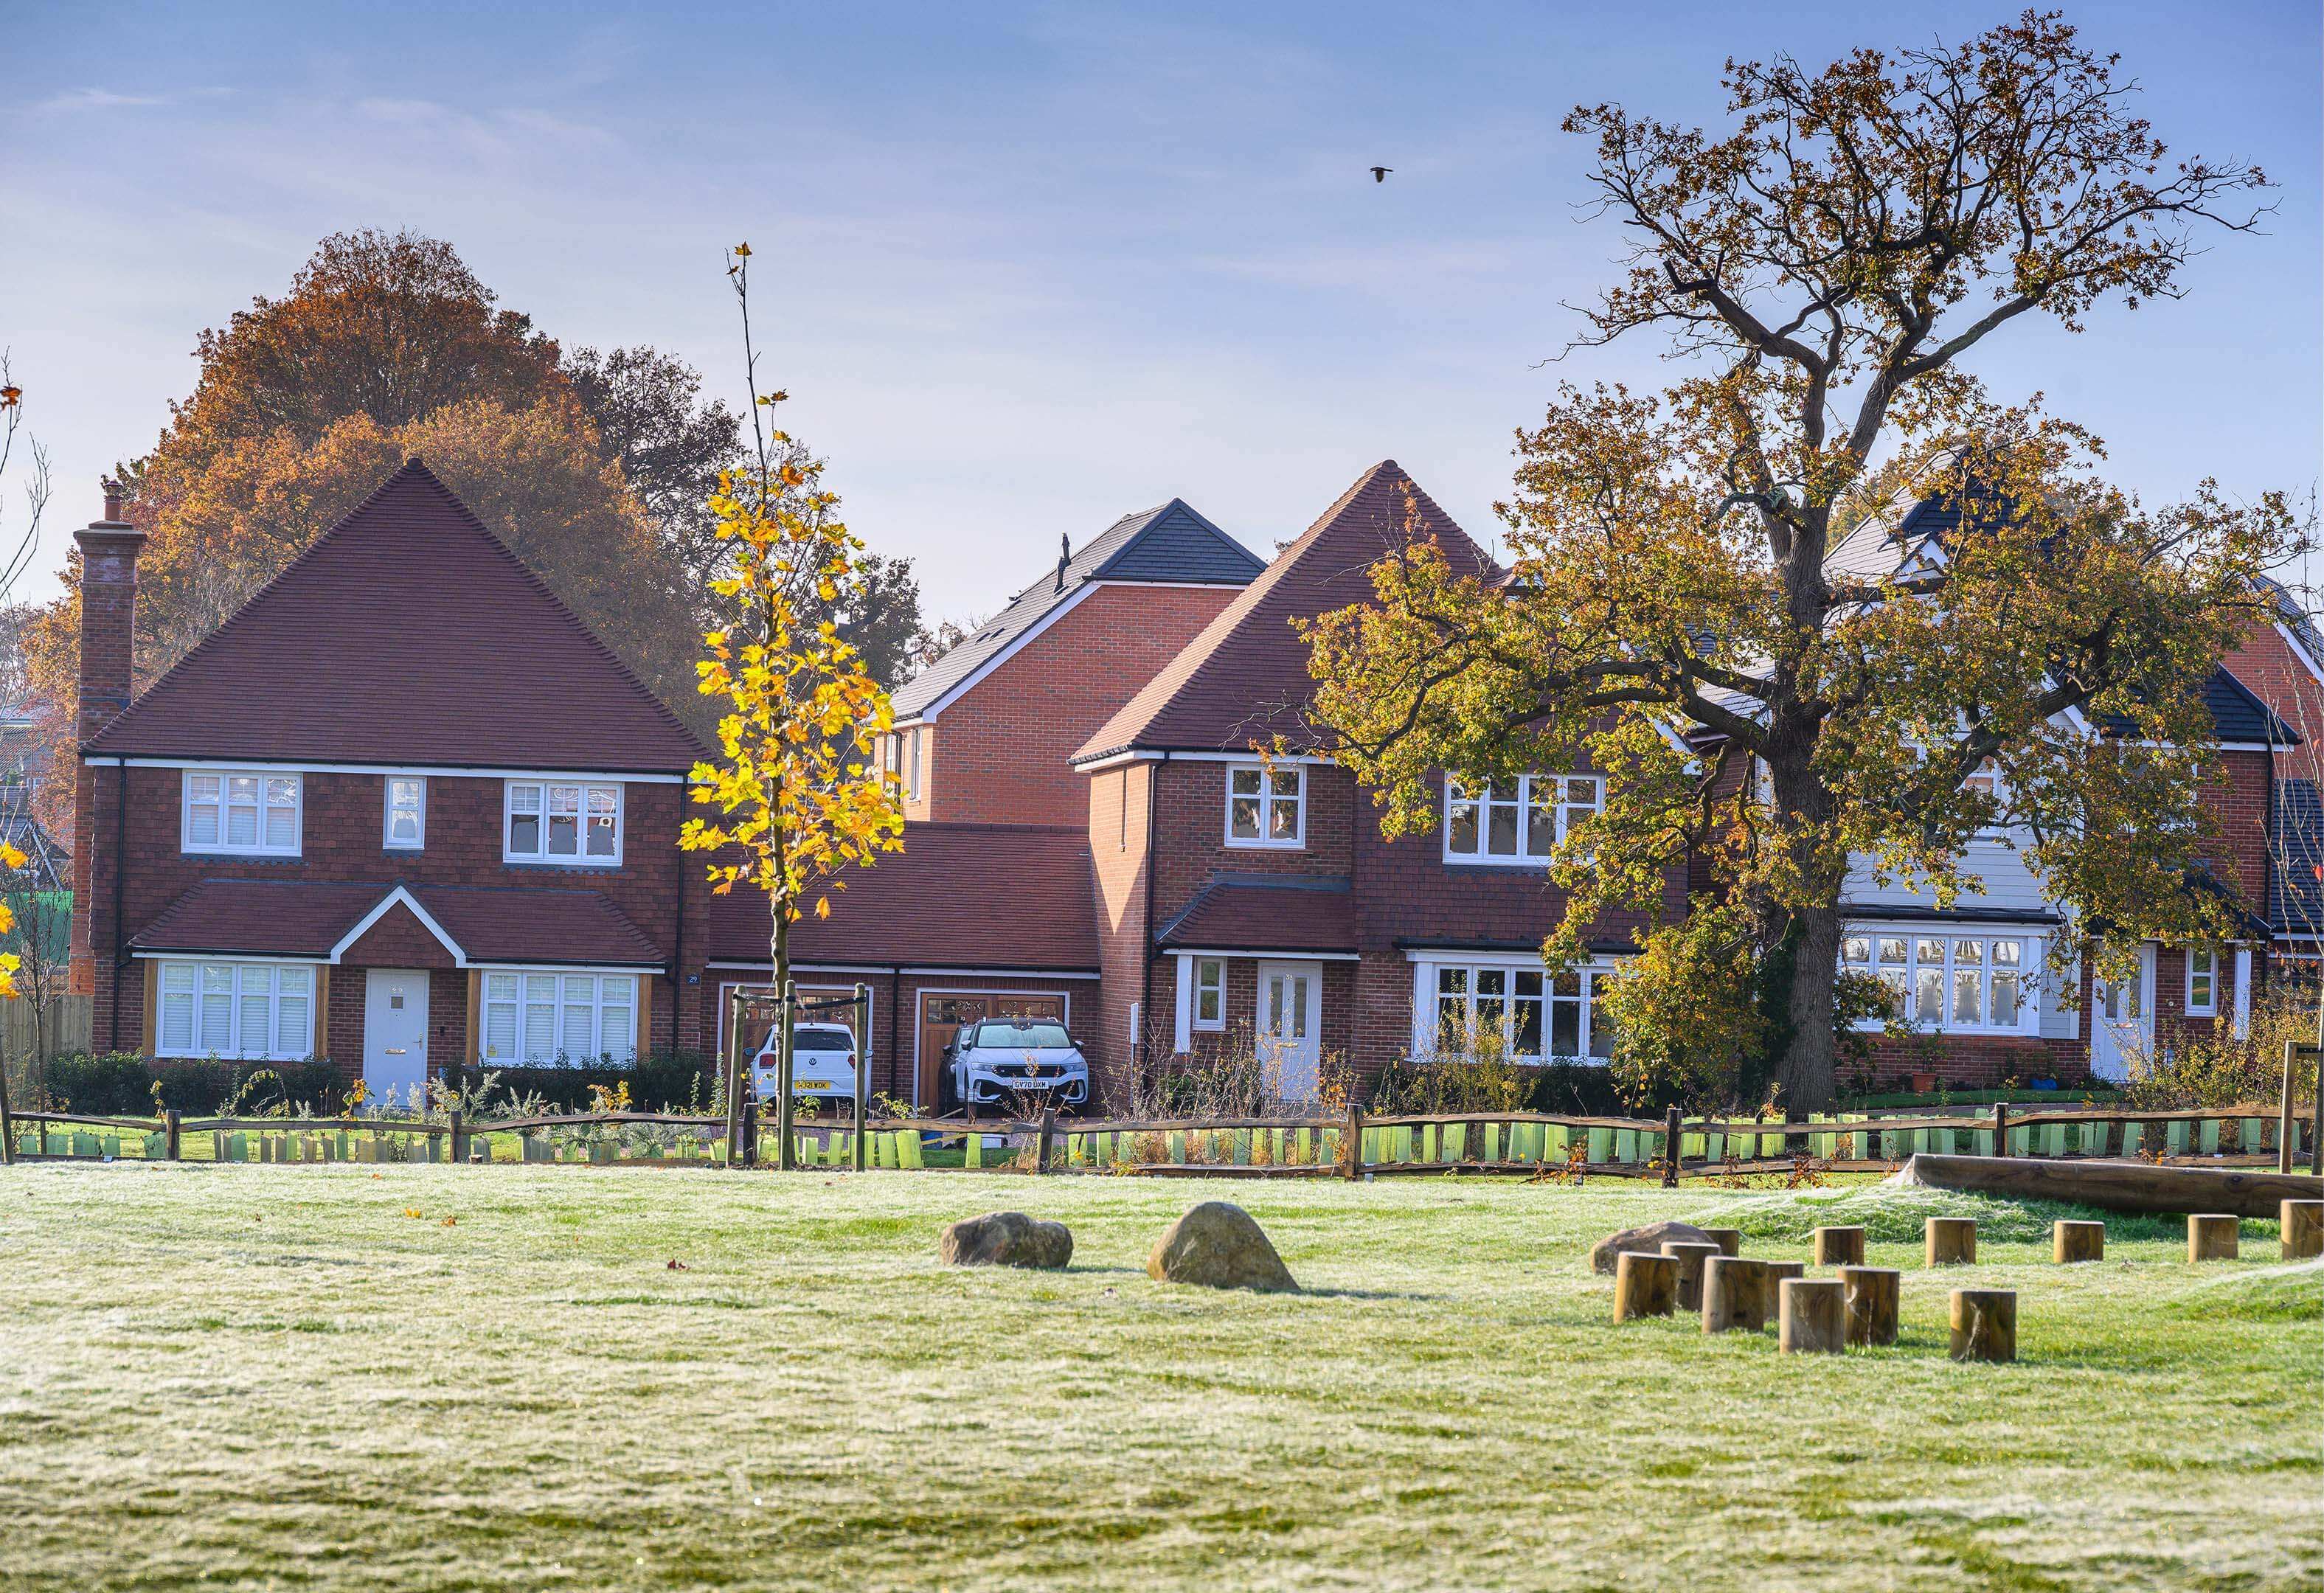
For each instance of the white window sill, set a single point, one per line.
(1460, 859)
(1300, 845)
(244, 851)
(557, 863)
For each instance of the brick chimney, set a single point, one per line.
(108, 612)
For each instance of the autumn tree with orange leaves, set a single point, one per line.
(797, 793)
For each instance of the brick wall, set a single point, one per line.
(1000, 754)
(341, 840)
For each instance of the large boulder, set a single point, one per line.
(1006, 1239)
(1649, 1238)
(1220, 1246)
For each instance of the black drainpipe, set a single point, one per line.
(896, 1031)
(120, 875)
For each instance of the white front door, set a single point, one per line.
(2121, 1019)
(1290, 1015)
(395, 1036)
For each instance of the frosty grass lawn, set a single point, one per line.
(452, 1377)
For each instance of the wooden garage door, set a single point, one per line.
(944, 1012)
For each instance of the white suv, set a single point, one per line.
(996, 1059)
(822, 1062)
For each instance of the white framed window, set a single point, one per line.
(246, 812)
(1535, 1015)
(404, 825)
(577, 823)
(912, 766)
(2202, 981)
(1517, 825)
(546, 1018)
(1948, 982)
(260, 1011)
(1267, 806)
(1210, 993)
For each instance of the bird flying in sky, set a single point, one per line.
(1379, 173)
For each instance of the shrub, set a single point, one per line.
(2193, 1070)
(122, 1083)
(660, 1080)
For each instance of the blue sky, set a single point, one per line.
(1025, 269)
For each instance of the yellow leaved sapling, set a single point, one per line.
(797, 797)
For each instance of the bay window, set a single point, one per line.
(563, 822)
(544, 1017)
(1516, 824)
(1946, 981)
(1267, 806)
(257, 1011)
(1530, 1014)
(248, 811)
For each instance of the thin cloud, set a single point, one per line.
(98, 99)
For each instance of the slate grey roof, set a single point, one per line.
(2295, 896)
(1171, 544)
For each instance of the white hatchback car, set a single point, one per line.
(822, 1062)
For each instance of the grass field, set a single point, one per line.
(447, 1377)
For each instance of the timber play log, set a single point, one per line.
(1870, 1294)
(2118, 1186)
(1735, 1296)
(1812, 1316)
(1951, 1241)
(1985, 1324)
(1691, 1258)
(1839, 1247)
(2212, 1235)
(2071, 1242)
(1645, 1284)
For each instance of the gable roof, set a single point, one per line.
(1244, 679)
(406, 634)
(1169, 545)
(958, 896)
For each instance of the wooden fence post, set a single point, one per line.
(1043, 1137)
(2284, 1109)
(1351, 1153)
(171, 1133)
(2001, 1127)
(7, 1123)
(459, 1138)
(731, 1066)
(863, 1065)
(1670, 1148)
(786, 1151)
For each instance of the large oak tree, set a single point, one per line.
(1673, 613)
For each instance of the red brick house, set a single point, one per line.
(401, 808)
(1244, 901)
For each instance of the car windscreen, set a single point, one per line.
(1027, 1036)
(821, 1040)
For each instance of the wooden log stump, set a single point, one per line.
(1812, 1316)
(1729, 1240)
(2077, 1241)
(1645, 1284)
(1871, 1299)
(2303, 1230)
(1985, 1324)
(1951, 1241)
(1691, 1257)
(1777, 1271)
(2212, 1235)
(1734, 1296)
(1839, 1247)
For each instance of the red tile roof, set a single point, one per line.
(958, 896)
(1252, 914)
(1244, 679)
(407, 634)
(306, 918)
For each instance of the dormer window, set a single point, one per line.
(1520, 824)
(248, 813)
(1267, 806)
(565, 822)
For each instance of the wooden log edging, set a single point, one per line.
(2120, 1186)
